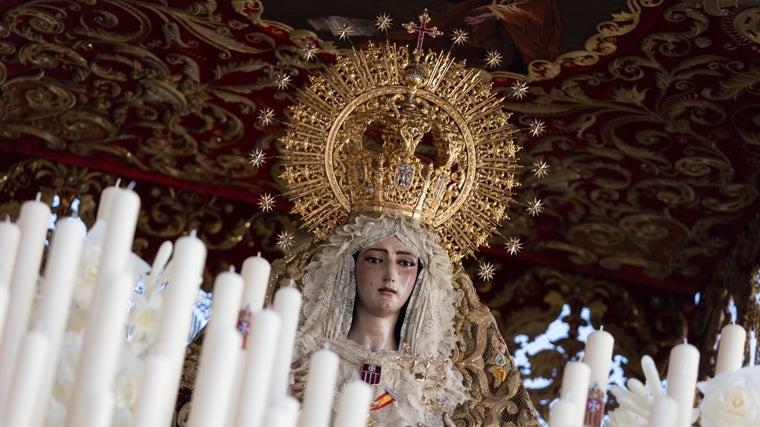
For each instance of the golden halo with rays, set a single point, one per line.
(385, 131)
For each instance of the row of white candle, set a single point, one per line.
(673, 409)
(236, 385)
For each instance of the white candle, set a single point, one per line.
(10, 234)
(255, 273)
(563, 412)
(33, 224)
(105, 205)
(730, 349)
(176, 317)
(55, 300)
(684, 360)
(119, 234)
(155, 393)
(320, 389)
(575, 384)
(287, 302)
(102, 403)
(283, 412)
(225, 303)
(101, 347)
(179, 297)
(19, 407)
(663, 412)
(683, 367)
(598, 356)
(252, 401)
(5, 295)
(682, 389)
(104, 333)
(353, 404)
(216, 371)
(58, 281)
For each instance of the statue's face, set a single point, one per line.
(385, 274)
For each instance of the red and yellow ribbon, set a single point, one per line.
(383, 400)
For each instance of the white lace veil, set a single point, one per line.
(329, 287)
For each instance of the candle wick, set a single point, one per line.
(7, 218)
(193, 233)
(232, 269)
(39, 196)
(118, 182)
(258, 254)
(292, 283)
(131, 185)
(601, 328)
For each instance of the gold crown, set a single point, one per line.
(385, 131)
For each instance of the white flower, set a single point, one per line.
(625, 417)
(67, 365)
(127, 386)
(88, 268)
(731, 399)
(144, 318)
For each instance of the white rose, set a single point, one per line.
(88, 273)
(144, 320)
(731, 399)
(128, 380)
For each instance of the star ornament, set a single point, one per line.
(383, 22)
(309, 51)
(519, 90)
(513, 246)
(536, 127)
(257, 158)
(345, 32)
(486, 271)
(282, 81)
(266, 202)
(266, 116)
(540, 169)
(285, 240)
(459, 37)
(535, 207)
(493, 59)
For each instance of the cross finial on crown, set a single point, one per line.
(421, 30)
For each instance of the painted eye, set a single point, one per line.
(407, 263)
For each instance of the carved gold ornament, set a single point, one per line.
(385, 131)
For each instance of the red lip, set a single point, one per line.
(386, 290)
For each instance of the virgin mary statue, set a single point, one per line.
(400, 164)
